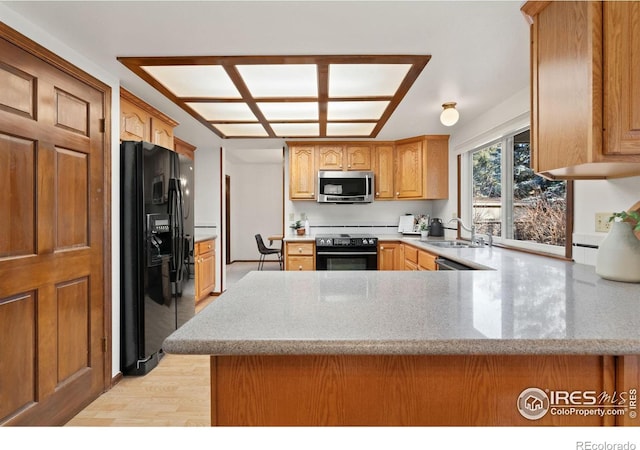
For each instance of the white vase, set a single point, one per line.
(618, 255)
(424, 234)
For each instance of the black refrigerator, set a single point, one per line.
(156, 236)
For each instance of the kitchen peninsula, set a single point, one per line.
(443, 348)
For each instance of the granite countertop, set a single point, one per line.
(204, 235)
(525, 304)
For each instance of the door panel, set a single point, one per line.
(52, 248)
(17, 184)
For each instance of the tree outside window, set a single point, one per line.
(510, 201)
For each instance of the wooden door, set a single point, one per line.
(330, 157)
(135, 123)
(161, 133)
(359, 157)
(384, 171)
(622, 78)
(409, 170)
(388, 255)
(53, 333)
(303, 173)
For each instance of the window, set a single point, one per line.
(513, 204)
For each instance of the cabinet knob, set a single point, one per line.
(299, 249)
(381, 248)
(377, 194)
(299, 267)
(397, 193)
(349, 165)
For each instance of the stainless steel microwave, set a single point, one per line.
(336, 186)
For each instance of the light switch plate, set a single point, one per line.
(602, 222)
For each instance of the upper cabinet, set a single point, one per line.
(140, 121)
(184, 148)
(383, 171)
(422, 168)
(585, 89)
(415, 168)
(302, 172)
(344, 157)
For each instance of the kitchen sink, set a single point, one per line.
(452, 244)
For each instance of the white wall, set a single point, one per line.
(256, 206)
(189, 130)
(40, 36)
(207, 216)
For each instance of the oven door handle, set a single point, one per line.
(346, 253)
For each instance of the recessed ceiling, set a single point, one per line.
(285, 96)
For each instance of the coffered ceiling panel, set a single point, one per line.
(285, 96)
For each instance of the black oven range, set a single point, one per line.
(347, 252)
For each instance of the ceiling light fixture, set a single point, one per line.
(449, 115)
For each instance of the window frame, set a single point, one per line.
(465, 199)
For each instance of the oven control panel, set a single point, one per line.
(346, 241)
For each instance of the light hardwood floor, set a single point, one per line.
(175, 393)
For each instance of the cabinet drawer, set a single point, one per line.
(204, 247)
(411, 254)
(426, 261)
(300, 248)
(300, 263)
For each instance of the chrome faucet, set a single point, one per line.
(475, 239)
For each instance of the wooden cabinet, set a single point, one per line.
(330, 157)
(621, 61)
(300, 256)
(422, 168)
(205, 268)
(140, 121)
(585, 124)
(302, 172)
(426, 260)
(390, 256)
(410, 258)
(383, 171)
(184, 148)
(344, 157)
(416, 168)
(358, 157)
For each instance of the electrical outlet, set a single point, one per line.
(602, 222)
(454, 215)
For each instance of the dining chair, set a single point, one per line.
(265, 251)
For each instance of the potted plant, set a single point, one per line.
(618, 255)
(424, 230)
(298, 227)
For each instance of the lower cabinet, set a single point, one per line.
(300, 256)
(205, 268)
(390, 255)
(397, 256)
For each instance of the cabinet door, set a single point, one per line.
(206, 272)
(205, 268)
(409, 170)
(622, 78)
(358, 157)
(426, 261)
(388, 255)
(161, 133)
(135, 123)
(302, 171)
(384, 171)
(330, 157)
